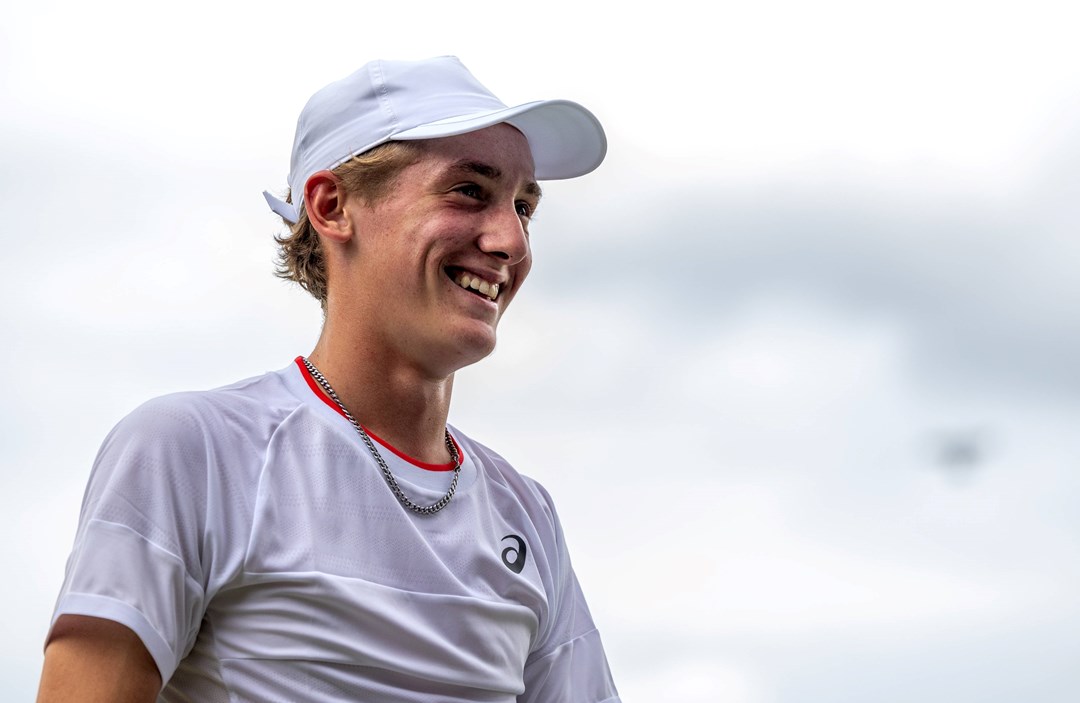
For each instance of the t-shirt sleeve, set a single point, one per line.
(569, 664)
(139, 550)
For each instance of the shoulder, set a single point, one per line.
(186, 443)
(249, 409)
(500, 471)
(185, 465)
(512, 492)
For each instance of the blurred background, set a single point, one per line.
(798, 363)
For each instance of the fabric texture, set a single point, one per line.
(249, 539)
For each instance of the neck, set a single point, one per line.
(394, 399)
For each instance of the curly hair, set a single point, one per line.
(369, 175)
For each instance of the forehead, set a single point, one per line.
(501, 148)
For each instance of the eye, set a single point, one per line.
(470, 190)
(524, 209)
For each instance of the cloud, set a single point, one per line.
(983, 282)
(739, 339)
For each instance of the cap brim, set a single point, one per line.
(566, 140)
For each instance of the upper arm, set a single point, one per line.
(92, 659)
(136, 574)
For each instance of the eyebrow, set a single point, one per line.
(488, 171)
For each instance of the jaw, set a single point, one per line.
(459, 327)
(459, 343)
(458, 330)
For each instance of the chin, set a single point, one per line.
(482, 343)
(467, 348)
(478, 351)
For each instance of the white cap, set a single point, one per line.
(405, 100)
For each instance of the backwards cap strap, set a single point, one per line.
(286, 210)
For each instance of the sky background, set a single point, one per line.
(798, 362)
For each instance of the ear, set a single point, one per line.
(324, 199)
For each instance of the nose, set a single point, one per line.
(504, 235)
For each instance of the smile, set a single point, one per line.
(475, 284)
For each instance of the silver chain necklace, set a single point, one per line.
(390, 480)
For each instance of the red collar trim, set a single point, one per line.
(318, 391)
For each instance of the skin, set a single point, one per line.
(397, 328)
(92, 660)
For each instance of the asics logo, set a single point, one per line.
(514, 557)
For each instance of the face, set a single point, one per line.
(440, 256)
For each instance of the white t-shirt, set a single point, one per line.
(249, 539)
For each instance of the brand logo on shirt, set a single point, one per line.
(514, 557)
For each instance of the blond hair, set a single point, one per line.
(369, 175)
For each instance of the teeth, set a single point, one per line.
(475, 283)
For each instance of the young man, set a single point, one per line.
(320, 533)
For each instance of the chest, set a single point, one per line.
(337, 572)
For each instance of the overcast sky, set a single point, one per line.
(798, 362)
